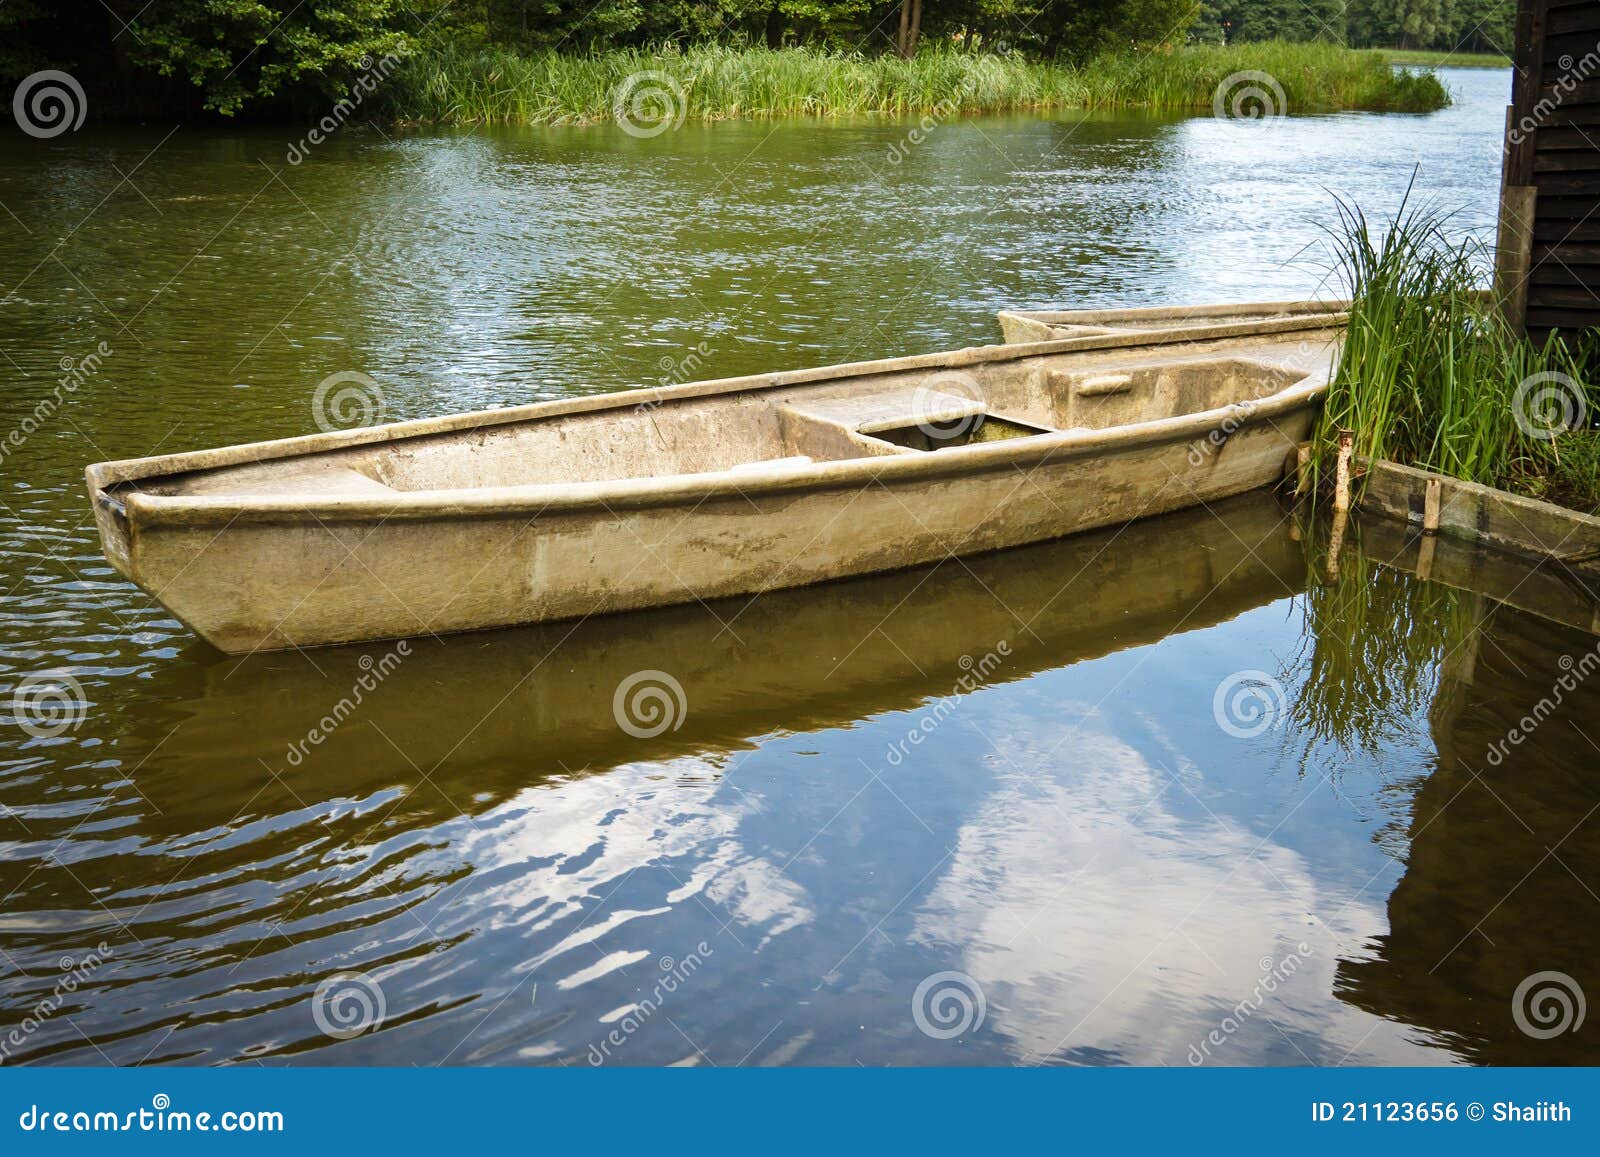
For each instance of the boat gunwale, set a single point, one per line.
(1312, 310)
(151, 510)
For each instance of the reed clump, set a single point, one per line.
(450, 84)
(1431, 375)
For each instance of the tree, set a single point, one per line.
(1484, 26)
(1243, 20)
(1082, 28)
(225, 53)
(1402, 23)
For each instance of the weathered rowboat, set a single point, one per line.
(1030, 325)
(706, 490)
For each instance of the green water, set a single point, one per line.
(1080, 803)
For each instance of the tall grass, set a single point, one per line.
(1430, 372)
(495, 86)
(1436, 59)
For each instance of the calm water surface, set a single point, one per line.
(980, 814)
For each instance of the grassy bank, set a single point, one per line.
(1431, 376)
(714, 83)
(1441, 59)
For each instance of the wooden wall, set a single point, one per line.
(1548, 264)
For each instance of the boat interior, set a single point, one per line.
(911, 411)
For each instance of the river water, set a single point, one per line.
(1225, 804)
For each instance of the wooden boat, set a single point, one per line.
(1029, 325)
(571, 508)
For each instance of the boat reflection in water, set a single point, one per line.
(485, 714)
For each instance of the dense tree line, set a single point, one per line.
(1464, 25)
(230, 55)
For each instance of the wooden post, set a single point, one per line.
(1513, 258)
(1425, 557)
(1341, 478)
(1335, 544)
(1513, 248)
(1430, 507)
